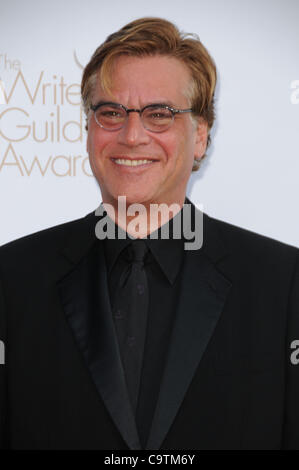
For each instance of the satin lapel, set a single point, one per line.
(203, 293)
(84, 296)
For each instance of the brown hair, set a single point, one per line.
(156, 36)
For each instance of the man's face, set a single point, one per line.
(138, 82)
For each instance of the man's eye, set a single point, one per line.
(159, 115)
(110, 113)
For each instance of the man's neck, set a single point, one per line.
(140, 220)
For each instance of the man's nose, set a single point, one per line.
(133, 133)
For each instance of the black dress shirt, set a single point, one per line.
(163, 264)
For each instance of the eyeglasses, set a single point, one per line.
(154, 117)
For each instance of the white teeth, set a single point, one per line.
(121, 161)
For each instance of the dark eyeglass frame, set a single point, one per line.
(173, 111)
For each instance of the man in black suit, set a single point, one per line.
(141, 341)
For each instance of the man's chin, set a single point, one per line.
(128, 199)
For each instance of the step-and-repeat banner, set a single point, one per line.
(250, 177)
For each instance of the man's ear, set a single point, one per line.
(201, 138)
(86, 128)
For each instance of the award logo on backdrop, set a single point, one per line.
(40, 112)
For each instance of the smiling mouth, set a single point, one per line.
(132, 162)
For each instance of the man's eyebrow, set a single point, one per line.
(162, 103)
(104, 102)
(155, 103)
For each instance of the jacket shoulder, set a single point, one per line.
(241, 240)
(43, 241)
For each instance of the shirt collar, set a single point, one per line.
(168, 253)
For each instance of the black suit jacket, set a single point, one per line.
(229, 382)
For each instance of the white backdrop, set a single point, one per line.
(250, 177)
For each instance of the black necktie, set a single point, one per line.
(130, 316)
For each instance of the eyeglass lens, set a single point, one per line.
(113, 117)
